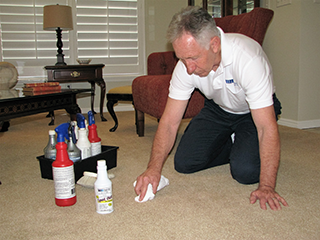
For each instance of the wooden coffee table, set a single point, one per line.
(13, 104)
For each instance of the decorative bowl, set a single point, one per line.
(84, 61)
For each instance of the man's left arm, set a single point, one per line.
(269, 144)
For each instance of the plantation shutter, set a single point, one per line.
(24, 43)
(104, 30)
(107, 31)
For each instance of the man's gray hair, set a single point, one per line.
(196, 21)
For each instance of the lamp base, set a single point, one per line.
(60, 60)
(60, 55)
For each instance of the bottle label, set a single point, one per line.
(104, 202)
(95, 148)
(64, 182)
(85, 153)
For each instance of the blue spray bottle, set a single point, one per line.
(62, 169)
(83, 142)
(93, 135)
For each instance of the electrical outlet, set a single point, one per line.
(281, 3)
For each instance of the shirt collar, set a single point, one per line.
(226, 49)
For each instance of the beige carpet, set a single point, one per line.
(205, 205)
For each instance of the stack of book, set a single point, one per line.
(30, 89)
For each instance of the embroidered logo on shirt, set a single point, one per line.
(229, 81)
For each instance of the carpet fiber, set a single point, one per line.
(205, 205)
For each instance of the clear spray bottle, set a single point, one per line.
(83, 142)
(50, 150)
(73, 151)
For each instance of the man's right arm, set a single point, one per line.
(162, 144)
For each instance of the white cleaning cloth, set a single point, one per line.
(150, 195)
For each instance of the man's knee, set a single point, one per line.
(247, 174)
(182, 166)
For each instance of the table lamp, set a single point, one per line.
(58, 18)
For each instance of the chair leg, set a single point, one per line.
(110, 105)
(140, 123)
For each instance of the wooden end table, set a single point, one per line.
(91, 73)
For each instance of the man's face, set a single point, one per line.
(197, 59)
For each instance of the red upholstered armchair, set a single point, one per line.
(150, 92)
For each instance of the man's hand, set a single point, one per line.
(149, 176)
(267, 194)
(162, 144)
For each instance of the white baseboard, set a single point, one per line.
(299, 124)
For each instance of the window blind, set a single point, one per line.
(105, 30)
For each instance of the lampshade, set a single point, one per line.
(55, 16)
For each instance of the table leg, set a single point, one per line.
(4, 126)
(73, 111)
(102, 85)
(93, 90)
(51, 115)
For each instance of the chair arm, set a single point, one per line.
(195, 104)
(150, 93)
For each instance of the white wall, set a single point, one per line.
(158, 16)
(291, 44)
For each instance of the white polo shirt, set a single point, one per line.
(243, 81)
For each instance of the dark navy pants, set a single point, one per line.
(207, 143)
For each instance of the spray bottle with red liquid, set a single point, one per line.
(93, 135)
(63, 173)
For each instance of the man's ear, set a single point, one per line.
(215, 44)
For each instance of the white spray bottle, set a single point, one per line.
(103, 189)
(83, 142)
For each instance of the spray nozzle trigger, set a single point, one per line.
(91, 118)
(62, 132)
(72, 133)
(81, 120)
